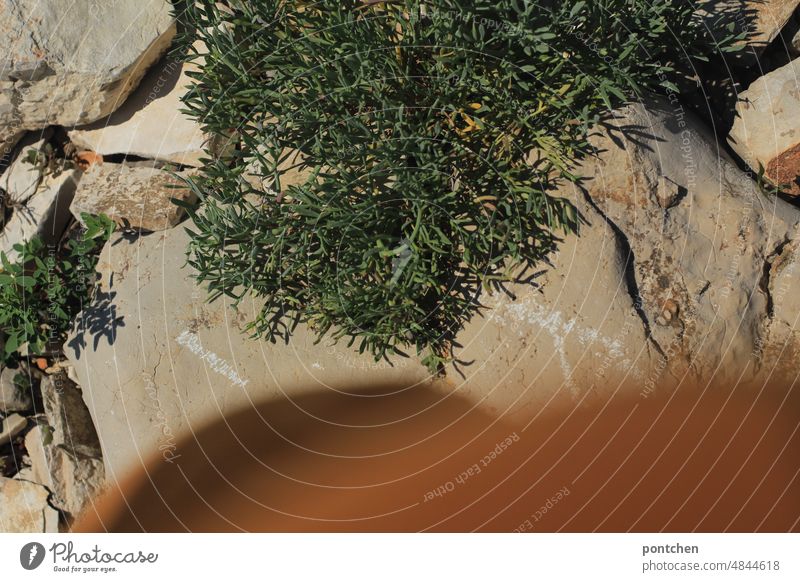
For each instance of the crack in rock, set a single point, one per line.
(631, 285)
(765, 282)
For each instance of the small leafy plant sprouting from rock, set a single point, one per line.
(42, 291)
(430, 137)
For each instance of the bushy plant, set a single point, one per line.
(44, 288)
(432, 135)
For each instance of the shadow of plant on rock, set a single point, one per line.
(98, 320)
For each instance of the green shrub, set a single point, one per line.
(415, 122)
(42, 291)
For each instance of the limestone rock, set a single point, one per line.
(24, 508)
(195, 362)
(767, 128)
(71, 423)
(11, 427)
(68, 67)
(65, 454)
(21, 180)
(150, 123)
(665, 284)
(13, 396)
(38, 444)
(45, 214)
(74, 478)
(698, 264)
(578, 331)
(137, 195)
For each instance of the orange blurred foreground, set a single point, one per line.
(429, 460)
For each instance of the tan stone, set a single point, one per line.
(138, 196)
(665, 285)
(68, 416)
(150, 124)
(45, 214)
(766, 131)
(65, 67)
(21, 180)
(196, 362)
(700, 260)
(24, 508)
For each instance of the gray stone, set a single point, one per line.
(73, 65)
(663, 285)
(24, 508)
(74, 478)
(21, 180)
(12, 425)
(138, 196)
(151, 124)
(72, 426)
(46, 214)
(13, 396)
(767, 127)
(578, 332)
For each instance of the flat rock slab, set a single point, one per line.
(663, 288)
(76, 63)
(24, 508)
(137, 196)
(766, 131)
(45, 214)
(150, 124)
(155, 360)
(11, 426)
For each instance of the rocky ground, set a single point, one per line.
(682, 272)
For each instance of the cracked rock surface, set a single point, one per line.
(700, 262)
(766, 130)
(148, 378)
(74, 69)
(24, 508)
(671, 280)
